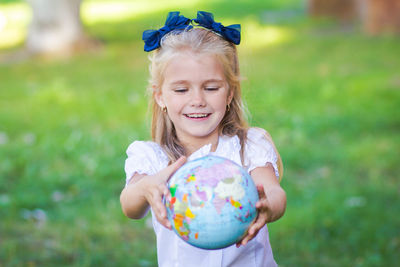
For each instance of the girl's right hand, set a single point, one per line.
(156, 188)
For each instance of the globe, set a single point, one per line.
(212, 202)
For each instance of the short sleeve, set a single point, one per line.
(144, 158)
(259, 151)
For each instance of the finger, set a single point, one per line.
(261, 192)
(173, 167)
(253, 231)
(164, 218)
(166, 193)
(155, 200)
(262, 197)
(159, 205)
(239, 243)
(161, 214)
(262, 203)
(164, 189)
(177, 164)
(257, 226)
(162, 210)
(164, 222)
(245, 240)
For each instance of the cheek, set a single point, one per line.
(168, 99)
(222, 105)
(220, 102)
(174, 104)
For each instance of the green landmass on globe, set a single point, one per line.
(212, 202)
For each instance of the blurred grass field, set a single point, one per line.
(328, 94)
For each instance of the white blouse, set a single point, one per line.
(148, 158)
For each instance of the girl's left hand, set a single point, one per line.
(263, 208)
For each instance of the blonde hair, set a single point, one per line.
(198, 41)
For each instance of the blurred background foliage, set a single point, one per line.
(328, 93)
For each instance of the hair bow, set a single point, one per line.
(152, 38)
(230, 33)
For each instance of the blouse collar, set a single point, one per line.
(228, 147)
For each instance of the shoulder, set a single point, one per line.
(144, 148)
(145, 157)
(256, 135)
(261, 149)
(147, 150)
(255, 132)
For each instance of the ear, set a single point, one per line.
(157, 94)
(230, 97)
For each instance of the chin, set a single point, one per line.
(204, 134)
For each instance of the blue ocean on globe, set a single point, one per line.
(212, 202)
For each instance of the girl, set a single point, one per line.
(197, 110)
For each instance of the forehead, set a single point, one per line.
(191, 67)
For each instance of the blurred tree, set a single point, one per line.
(377, 16)
(345, 10)
(56, 27)
(381, 16)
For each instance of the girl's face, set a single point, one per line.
(196, 94)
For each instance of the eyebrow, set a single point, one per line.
(206, 81)
(214, 81)
(178, 82)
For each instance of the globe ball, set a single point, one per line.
(212, 202)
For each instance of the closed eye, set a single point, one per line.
(180, 90)
(212, 88)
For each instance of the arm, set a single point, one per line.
(272, 203)
(134, 204)
(144, 191)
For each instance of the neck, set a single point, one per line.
(193, 144)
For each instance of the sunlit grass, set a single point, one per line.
(257, 35)
(14, 20)
(114, 11)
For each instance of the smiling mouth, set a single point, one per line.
(197, 115)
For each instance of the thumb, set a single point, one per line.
(168, 171)
(261, 192)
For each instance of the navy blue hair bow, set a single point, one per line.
(152, 38)
(230, 33)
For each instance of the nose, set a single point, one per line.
(198, 98)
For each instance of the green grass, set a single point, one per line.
(329, 96)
